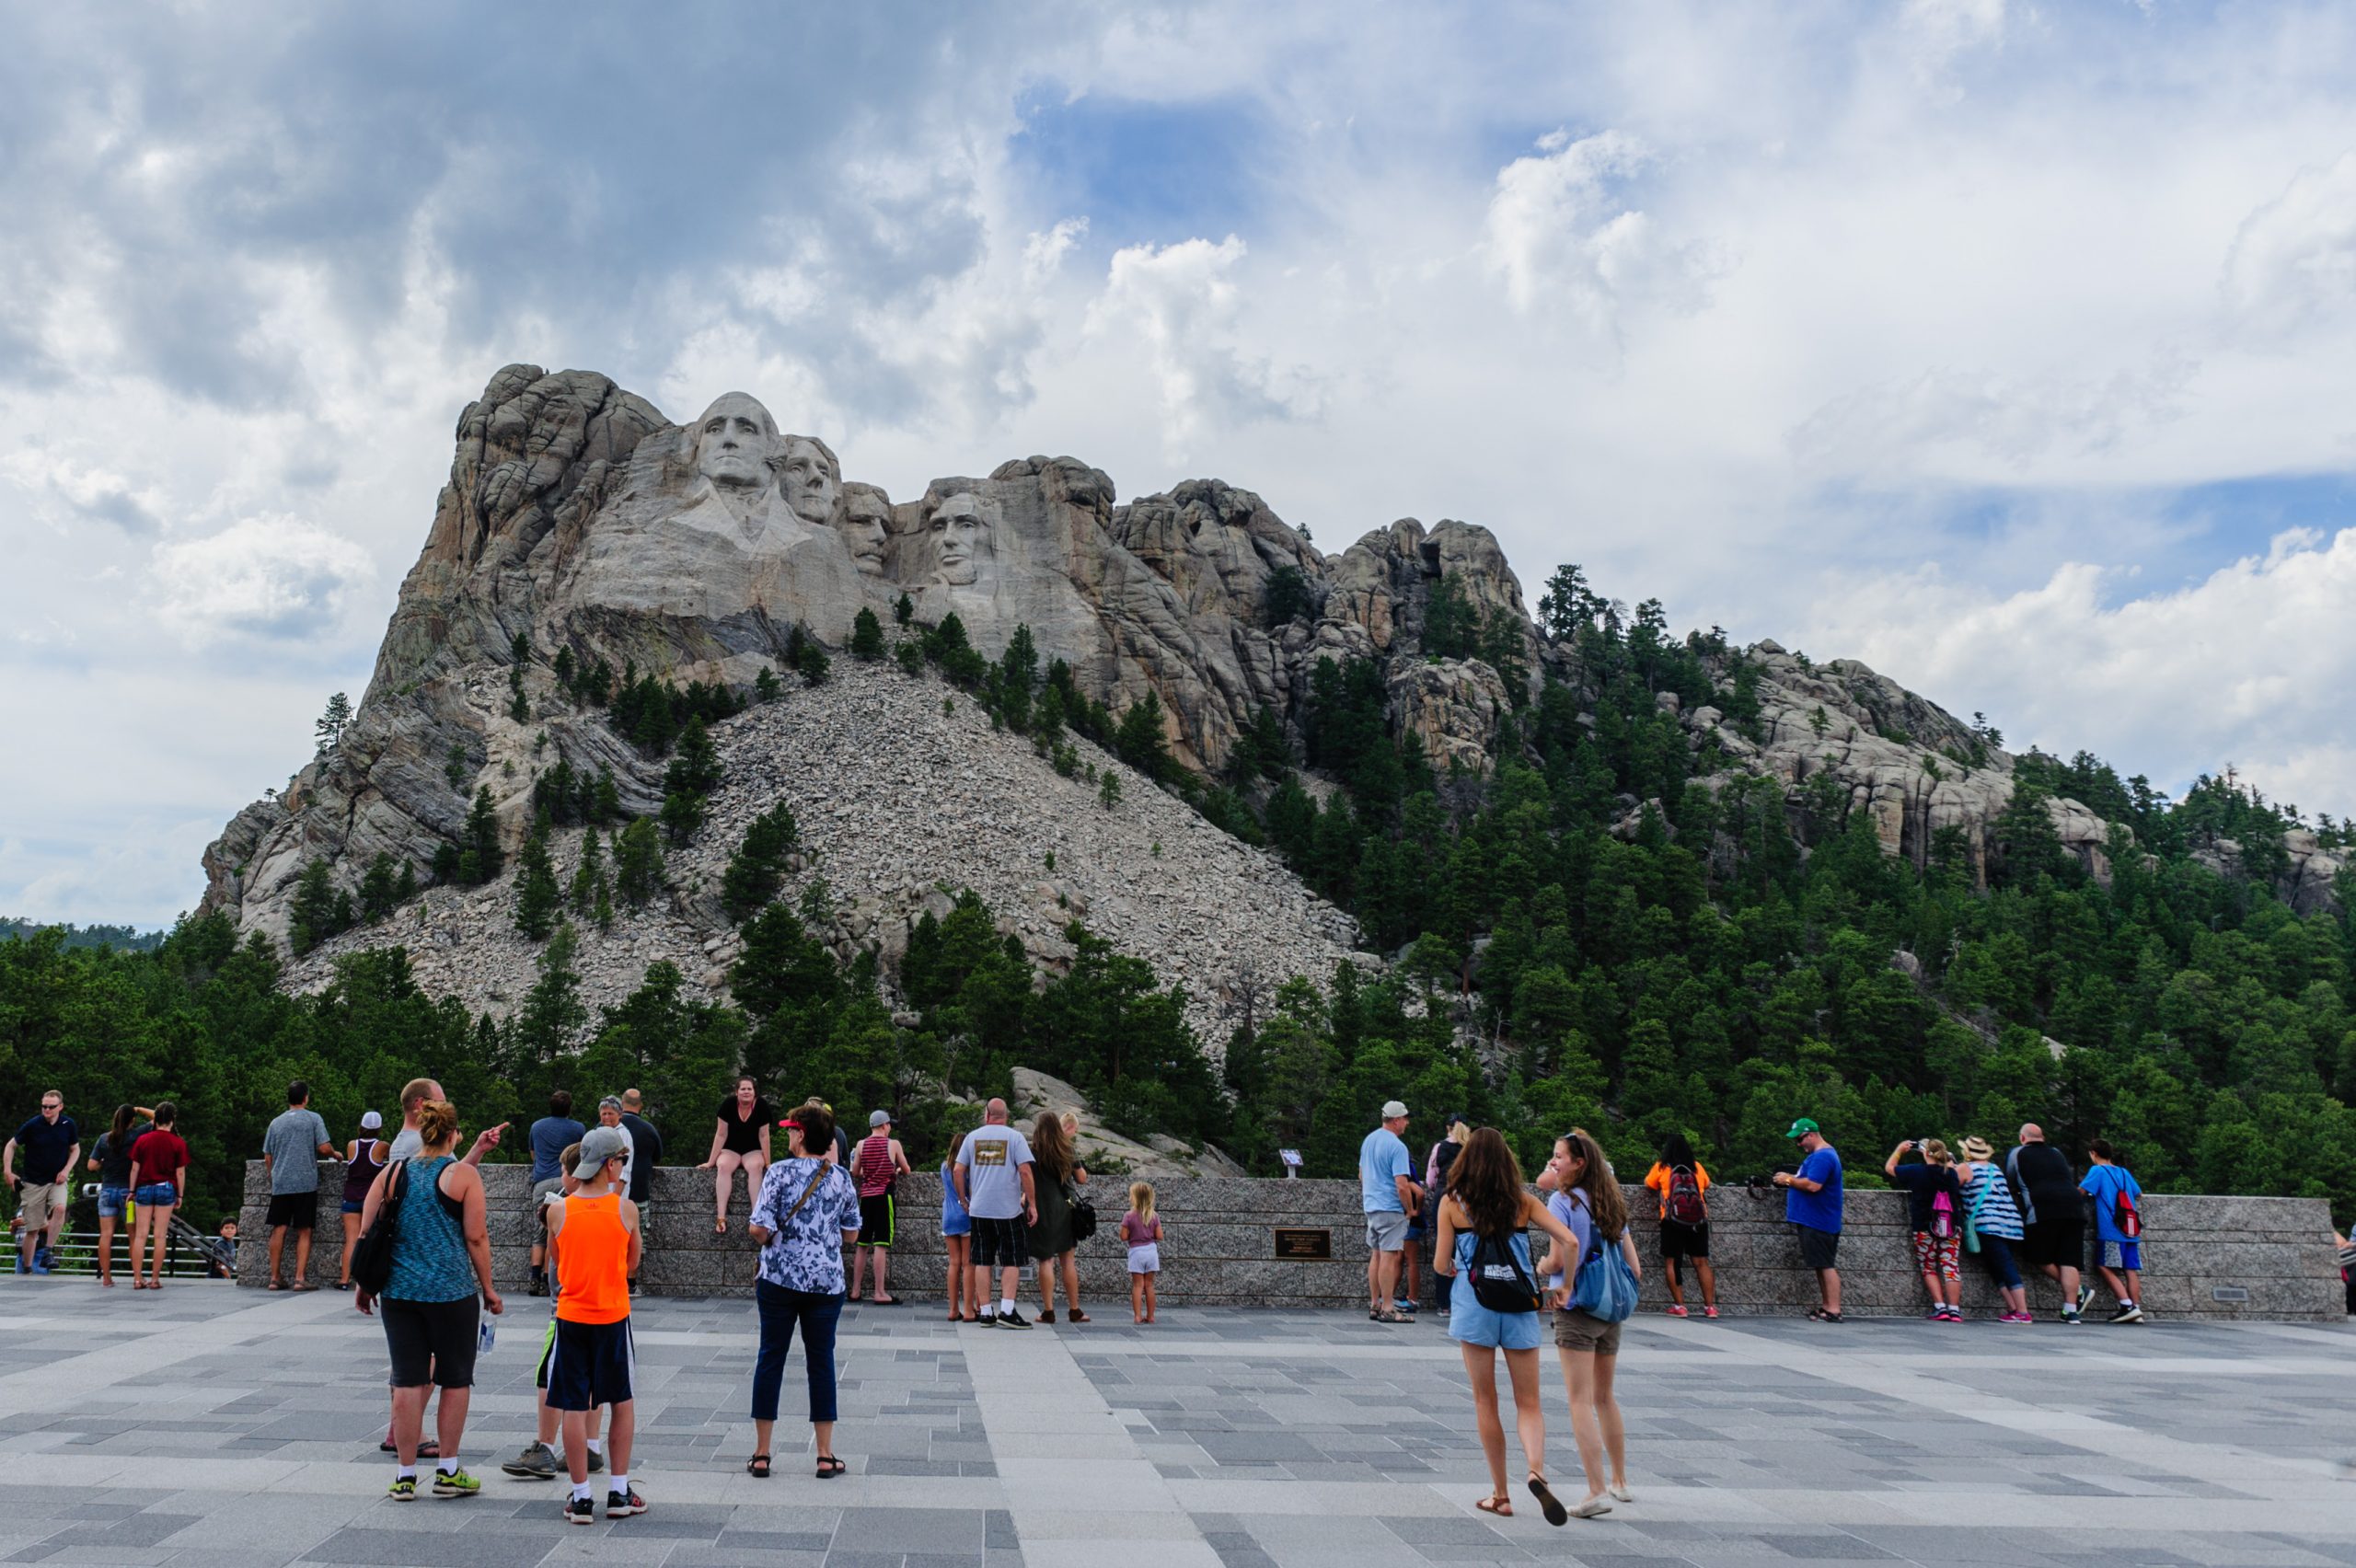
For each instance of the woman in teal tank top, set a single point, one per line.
(438, 1287)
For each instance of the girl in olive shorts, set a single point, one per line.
(1590, 1205)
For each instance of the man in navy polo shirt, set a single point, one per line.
(51, 1143)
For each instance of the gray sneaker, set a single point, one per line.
(596, 1461)
(535, 1463)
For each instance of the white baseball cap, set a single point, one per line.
(371, 1120)
(1394, 1109)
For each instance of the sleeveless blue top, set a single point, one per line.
(429, 1262)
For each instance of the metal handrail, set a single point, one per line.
(189, 1253)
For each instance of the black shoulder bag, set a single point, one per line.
(1083, 1214)
(371, 1256)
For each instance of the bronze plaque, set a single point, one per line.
(1300, 1242)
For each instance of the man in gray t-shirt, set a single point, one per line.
(291, 1151)
(995, 1183)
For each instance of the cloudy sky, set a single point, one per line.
(2007, 347)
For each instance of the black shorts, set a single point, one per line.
(1001, 1243)
(300, 1210)
(1683, 1241)
(591, 1365)
(431, 1342)
(2061, 1242)
(1818, 1247)
(876, 1220)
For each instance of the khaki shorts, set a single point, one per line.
(1577, 1331)
(38, 1204)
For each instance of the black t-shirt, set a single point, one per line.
(646, 1153)
(1922, 1184)
(114, 1163)
(745, 1137)
(41, 1147)
(2043, 1184)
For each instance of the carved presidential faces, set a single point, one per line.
(809, 477)
(865, 519)
(960, 531)
(733, 441)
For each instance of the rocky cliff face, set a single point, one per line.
(580, 524)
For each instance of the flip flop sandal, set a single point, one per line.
(306, 1285)
(1548, 1504)
(1501, 1506)
(830, 1467)
(275, 1284)
(757, 1465)
(885, 1301)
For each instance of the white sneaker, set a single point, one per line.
(1591, 1507)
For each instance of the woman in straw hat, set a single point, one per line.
(1994, 1221)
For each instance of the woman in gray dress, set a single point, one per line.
(1051, 1239)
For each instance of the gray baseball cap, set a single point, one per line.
(879, 1118)
(1392, 1110)
(599, 1144)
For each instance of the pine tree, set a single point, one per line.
(588, 874)
(695, 770)
(682, 813)
(330, 726)
(606, 801)
(1140, 741)
(757, 869)
(812, 663)
(638, 864)
(312, 919)
(552, 1014)
(1108, 794)
(483, 856)
(867, 635)
(454, 768)
(406, 888)
(565, 669)
(766, 687)
(904, 610)
(378, 892)
(538, 900)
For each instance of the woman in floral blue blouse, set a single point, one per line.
(806, 1214)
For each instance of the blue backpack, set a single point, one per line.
(1604, 1288)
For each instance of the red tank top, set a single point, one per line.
(873, 1166)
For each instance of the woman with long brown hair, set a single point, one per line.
(1593, 1212)
(1051, 1243)
(1493, 1304)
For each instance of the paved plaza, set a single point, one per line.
(212, 1428)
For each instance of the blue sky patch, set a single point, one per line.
(1145, 172)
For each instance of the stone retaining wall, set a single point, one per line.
(2203, 1257)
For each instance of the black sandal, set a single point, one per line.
(1548, 1504)
(757, 1465)
(830, 1467)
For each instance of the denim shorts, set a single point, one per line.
(159, 1194)
(111, 1201)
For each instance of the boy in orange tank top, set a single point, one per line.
(593, 1248)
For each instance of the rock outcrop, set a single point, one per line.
(580, 529)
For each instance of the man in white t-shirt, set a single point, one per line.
(996, 1184)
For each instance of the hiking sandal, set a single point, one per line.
(1501, 1506)
(758, 1467)
(830, 1467)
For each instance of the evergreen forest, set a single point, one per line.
(1718, 960)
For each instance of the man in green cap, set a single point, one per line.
(1812, 1203)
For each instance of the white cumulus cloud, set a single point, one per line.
(270, 576)
(1559, 238)
(2295, 259)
